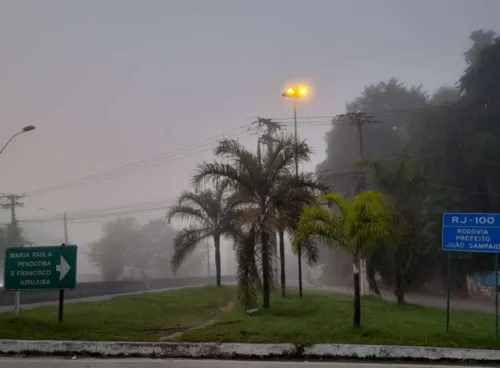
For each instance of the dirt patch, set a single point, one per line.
(208, 323)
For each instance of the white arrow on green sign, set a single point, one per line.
(40, 268)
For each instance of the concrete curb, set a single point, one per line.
(147, 350)
(399, 353)
(247, 351)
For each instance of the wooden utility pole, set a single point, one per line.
(272, 127)
(11, 201)
(359, 120)
(14, 239)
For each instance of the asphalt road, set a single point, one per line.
(126, 363)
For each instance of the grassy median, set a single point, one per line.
(317, 318)
(146, 317)
(321, 318)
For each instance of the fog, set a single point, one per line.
(129, 96)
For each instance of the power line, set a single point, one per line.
(151, 206)
(386, 111)
(152, 162)
(429, 182)
(187, 151)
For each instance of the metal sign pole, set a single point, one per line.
(449, 294)
(496, 295)
(61, 300)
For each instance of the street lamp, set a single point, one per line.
(294, 93)
(26, 129)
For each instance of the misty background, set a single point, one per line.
(108, 84)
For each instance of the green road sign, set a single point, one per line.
(32, 268)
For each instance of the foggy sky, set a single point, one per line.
(111, 82)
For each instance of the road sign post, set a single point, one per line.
(61, 291)
(496, 295)
(473, 233)
(448, 292)
(40, 268)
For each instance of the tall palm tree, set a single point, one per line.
(355, 225)
(258, 180)
(289, 208)
(213, 212)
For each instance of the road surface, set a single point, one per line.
(471, 304)
(135, 363)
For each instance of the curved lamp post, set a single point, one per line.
(26, 129)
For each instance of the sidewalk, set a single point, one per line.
(478, 305)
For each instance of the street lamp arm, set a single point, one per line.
(11, 138)
(27, 128)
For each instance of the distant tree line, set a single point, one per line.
(428, 154)
(127, 249)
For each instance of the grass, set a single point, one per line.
(322, 318)
(318, 318)
(146, 317)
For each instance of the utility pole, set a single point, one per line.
(272, 127)
(13, 233)
(65, 220)
(359, 120)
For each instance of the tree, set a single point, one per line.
(289, 208)
(127, 249)
(356, 226)
(454, 144)
(257, 181)
(392, 105)
(110, 252)
(481, 40)
(153, 250)
(213, 211)
(406, 192)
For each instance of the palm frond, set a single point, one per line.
(321, 223)
(338, 200)
(186, 213)
(185, 242)
(309, 247)
(215, 171)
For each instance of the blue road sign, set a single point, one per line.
(471, 232)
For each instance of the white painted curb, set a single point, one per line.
(391, 352)
(246, 351)
(150, 350)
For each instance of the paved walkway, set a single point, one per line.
(477, 305)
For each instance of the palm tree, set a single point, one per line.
(405, 192)
(289, 209)
(356, 226)
(213, 212)
(258, 180)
